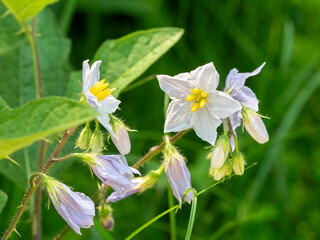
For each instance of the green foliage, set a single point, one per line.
(127, 58)
(9, 33)
(26, 9)
(37, 119)
(3, 200)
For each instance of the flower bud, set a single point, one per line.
(84, 138)
(219, 173)
(140, 185)
(254, 125)
(96, 143)
(75, 208)
(177, 173)
(106, 217)
(220, 152)
(121, 139)
(238, 163)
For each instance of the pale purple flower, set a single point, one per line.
(140, 185)
(137, 187)
(75, 208)
(235, 87)
(121, 139)
(196, 103)
(97, 94)
(114, 171)
(178, 175)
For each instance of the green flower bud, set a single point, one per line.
(84, 138)
(238, 163)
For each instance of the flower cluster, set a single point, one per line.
(195, 103)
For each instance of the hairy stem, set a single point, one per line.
(36, 183)
(152, 152)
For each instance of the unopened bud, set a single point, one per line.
(105, 216)
(220, 152)
(84, 138)
(225, 170)
(238, 163)
(254, 125)
(122, 140)
(96, 143)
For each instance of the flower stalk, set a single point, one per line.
(36, 183)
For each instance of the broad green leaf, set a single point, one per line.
(37, 119)
(3, 200)
(17, 84)
(126, 58)
(26, 9)
(9, 39)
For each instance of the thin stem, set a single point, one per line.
(65, 157)
(173, 231)
(152, 152)
(156, 150)
(36, 183)
(233, 134)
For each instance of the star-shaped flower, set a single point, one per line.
(196, 103)
(97, 94)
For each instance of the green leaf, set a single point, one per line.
(3, 200)
(26, 9)
(126, 58)
(9, 39)
(37, 119)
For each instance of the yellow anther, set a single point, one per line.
(190, 97)
(196, 91)
(102, 95)
(203, 102)
(203, 94)
(195, 106)
(95, 89)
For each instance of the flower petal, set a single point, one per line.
(236, 80)
(205, 125)
(109, 104)
(177, 87)
(105, 121)
(206, 77)
(85, 75)
(246, 97)
(179, 116)
(221, 105)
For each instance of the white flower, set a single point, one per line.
(254, 125)
(196, 102)
(97, 93)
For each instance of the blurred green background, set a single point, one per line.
(276, 199)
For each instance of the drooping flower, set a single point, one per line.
(254, 125)
(75, 208)
(196, 102)
(121, 140)
(235, 87)
(113, 170)
(140, 185)
(177, 173)
(97, 93)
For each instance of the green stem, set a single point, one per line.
(173, 231)
(36, 183)
(150, 222)
(192, 214)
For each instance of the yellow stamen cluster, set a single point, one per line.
(101, 90)
(198, 97)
